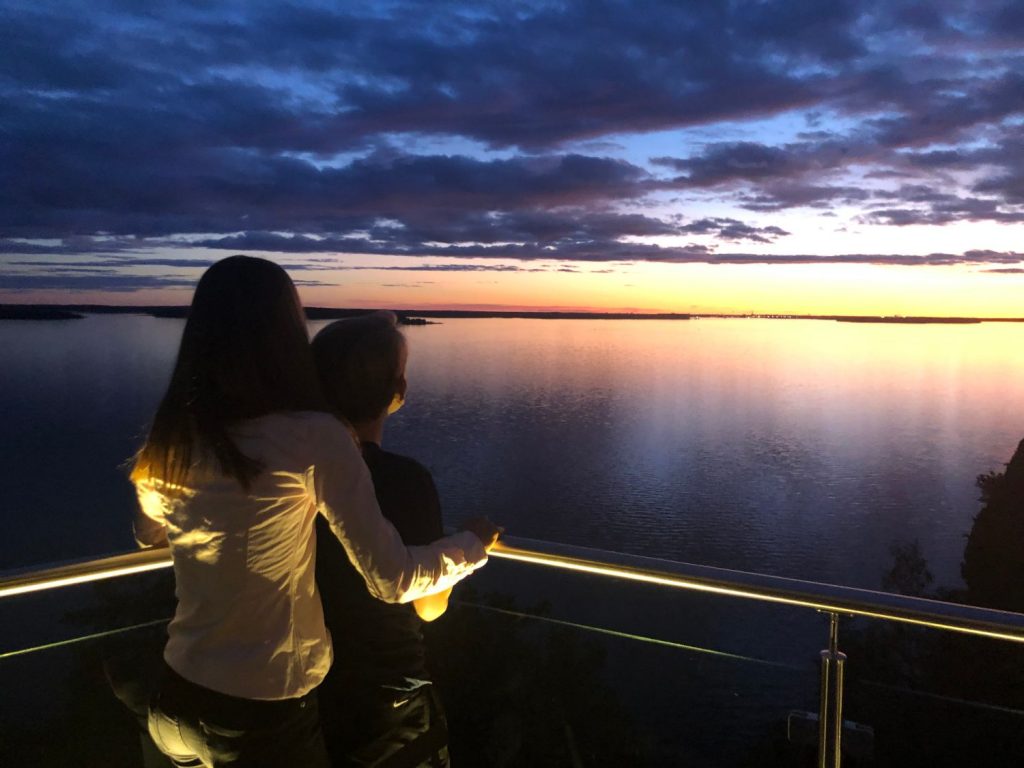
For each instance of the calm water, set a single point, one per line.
(799, 448)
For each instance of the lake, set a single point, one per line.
(793, 447)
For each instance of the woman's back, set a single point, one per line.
(249, 622)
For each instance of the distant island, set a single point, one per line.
(912, 320)
(425, 316)
(34, 312)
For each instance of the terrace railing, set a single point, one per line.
(831, 600)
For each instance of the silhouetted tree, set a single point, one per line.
(909, 574)
(993, 562)
(951, 670)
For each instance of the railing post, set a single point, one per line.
(826, 660)
(837, 734)
(831, 698)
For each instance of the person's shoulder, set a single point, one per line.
(309, 423)
(395, 462)
(407, 495)
(309, 432)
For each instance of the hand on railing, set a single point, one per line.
(484, 529)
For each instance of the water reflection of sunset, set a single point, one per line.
(828, 439)
(794, 447)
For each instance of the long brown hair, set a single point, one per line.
(244, 353)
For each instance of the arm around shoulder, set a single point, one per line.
(392, 571)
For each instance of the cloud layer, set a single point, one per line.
(507, 129)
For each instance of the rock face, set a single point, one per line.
(993, 564)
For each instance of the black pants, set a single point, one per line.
(195, 726)
(385, 728)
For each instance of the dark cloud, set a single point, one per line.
(932, 259)
(625, 252)
(235, 192)
(309, 127)
(529, 234)
(733, 230)
(72, 245)
(107, 282)
(549, 227)
(932, 207)
(779, 195)
(943, 109)
(532, 75)
(1006, 23)
(773, 178)
(751, 161)
(122, 263)
(447, 268)
(1008, 181)
(110, 282)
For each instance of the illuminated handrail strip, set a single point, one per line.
(832, 598)
(84, 571)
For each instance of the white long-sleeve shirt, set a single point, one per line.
(249, 621)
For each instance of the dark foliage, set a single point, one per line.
(993, 563)
(939, 698)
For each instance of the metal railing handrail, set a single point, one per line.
(830, 598)
(84, 571)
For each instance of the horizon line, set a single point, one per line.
(173, 310)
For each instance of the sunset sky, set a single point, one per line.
(801, 156)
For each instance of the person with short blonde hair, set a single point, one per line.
(378, 705)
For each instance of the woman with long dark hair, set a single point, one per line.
(240, 458)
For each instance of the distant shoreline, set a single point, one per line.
(915, 320)
(77, 311)
(36, 312)
(408, 316)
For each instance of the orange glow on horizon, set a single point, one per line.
(797, 289)
(635, 287)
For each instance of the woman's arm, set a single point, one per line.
(392, 571)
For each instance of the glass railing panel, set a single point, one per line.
(535, 667)
(61, 655)
(935, 698)
(539, 666)
(635, 673)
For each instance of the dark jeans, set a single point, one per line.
(134, 674)
(195, 726)
(385, 727)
